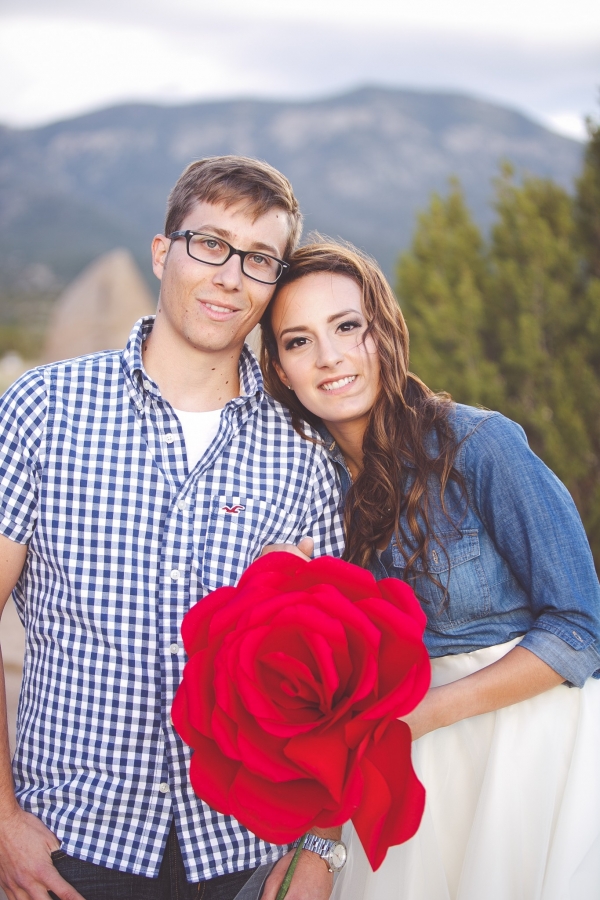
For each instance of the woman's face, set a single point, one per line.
(319, 325)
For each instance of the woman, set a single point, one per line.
(452, 499)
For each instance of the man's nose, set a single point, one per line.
(229, 275)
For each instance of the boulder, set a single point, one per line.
(97, 310)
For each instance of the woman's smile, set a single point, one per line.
(325, 353)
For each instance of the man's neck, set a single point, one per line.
(191, 379)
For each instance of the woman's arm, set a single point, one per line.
(517, 676)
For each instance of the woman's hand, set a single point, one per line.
(518, 676)
(304, 549)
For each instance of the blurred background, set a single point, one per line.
(447, 140)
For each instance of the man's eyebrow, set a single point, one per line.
(330, 319)
(227, 236)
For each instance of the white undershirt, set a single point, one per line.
(199, 431)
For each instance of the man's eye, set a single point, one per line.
(258, 260)
(211, 244)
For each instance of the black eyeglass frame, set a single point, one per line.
(233, 251)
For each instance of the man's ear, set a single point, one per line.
(283, 377)
(160, 249)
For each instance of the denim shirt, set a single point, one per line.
(512, 555)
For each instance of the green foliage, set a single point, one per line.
(513, 323)
(587, 207)
(443, 282)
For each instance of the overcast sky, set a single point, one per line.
(59, 58)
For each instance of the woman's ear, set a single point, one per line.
(282, 376)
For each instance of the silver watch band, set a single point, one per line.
(317, 844)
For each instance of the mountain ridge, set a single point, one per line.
(362, 163)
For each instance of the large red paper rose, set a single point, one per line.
(291, 697)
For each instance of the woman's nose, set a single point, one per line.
(328, 353)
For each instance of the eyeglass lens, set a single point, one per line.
(209, 249)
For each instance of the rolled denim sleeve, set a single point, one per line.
(535, 526)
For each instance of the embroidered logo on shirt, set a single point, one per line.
(233, 510)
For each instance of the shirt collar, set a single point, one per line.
(251, 380)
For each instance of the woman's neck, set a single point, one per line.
(349, 438)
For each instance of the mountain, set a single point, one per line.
(362, 164)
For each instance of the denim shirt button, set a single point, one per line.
(579, 638)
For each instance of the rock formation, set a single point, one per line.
(96, 311)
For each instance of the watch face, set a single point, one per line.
(338, 856)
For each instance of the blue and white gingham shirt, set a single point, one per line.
(122, 540)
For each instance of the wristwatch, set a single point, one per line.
(334, 853)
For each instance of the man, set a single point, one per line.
(133, 483)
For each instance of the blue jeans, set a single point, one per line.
(97, 883)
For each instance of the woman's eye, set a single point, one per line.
(349, 325)
(295, 342)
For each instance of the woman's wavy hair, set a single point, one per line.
(400, 456)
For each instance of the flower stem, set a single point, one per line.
(285, 884)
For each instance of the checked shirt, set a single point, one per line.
(122, 540)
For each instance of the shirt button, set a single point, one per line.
(174, 648)
(147, 385)
(579, 638)
(175, 574)
(181, 504)
(164, 788)
(169, 438)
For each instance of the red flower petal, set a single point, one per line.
(323, 756)
(279, 815)
(212, 775)
(393, 798)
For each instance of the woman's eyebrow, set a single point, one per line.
(330, 319)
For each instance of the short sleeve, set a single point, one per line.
(23, 411)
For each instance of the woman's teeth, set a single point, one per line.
(333, 385)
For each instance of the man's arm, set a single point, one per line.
(312, 879)
(26, 870)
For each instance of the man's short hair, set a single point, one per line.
(230, 180)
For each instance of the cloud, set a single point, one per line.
(60, 59)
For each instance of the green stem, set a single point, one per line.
(285, 884)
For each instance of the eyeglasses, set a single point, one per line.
(214, 251)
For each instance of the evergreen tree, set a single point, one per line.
(442, 282)
(538, 319)
(587, 208)
(514, 324)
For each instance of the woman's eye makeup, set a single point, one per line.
(294, 342)
(350, 325)
(346, 327)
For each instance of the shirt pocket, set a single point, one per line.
(238, 529)
(457, 591)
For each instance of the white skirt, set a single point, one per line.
(513, 803)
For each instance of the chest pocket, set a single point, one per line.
(463, 594)
(238, 529)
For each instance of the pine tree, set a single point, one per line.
(442, 282)
(587, 217)
(587, 206)
(514, 323)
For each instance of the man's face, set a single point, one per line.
(213, 308)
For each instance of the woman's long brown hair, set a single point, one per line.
(397, 446)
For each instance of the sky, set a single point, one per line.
(60, 58)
